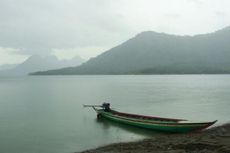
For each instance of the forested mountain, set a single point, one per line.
(159, 53)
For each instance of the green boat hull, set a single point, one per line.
(172, 127)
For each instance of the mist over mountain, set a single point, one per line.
(38, 63)
(159, 53)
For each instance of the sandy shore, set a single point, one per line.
(214, 140)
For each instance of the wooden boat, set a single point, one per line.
(150, 122)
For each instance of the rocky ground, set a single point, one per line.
(214, 140)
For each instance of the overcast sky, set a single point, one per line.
(67, 28)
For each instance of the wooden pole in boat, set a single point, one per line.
(92, 105)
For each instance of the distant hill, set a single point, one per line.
(7, 66)
(158, 53)
(38, 63)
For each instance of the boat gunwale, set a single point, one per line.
(159, 122)
(147, 117)
(154, 118)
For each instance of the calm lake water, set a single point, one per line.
(44, 114)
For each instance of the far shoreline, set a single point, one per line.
(126, 74)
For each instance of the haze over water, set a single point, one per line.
(45, 113)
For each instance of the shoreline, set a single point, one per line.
(213, 140)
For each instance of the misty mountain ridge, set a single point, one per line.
(7, 66)
(38, 63)
(159, 53)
